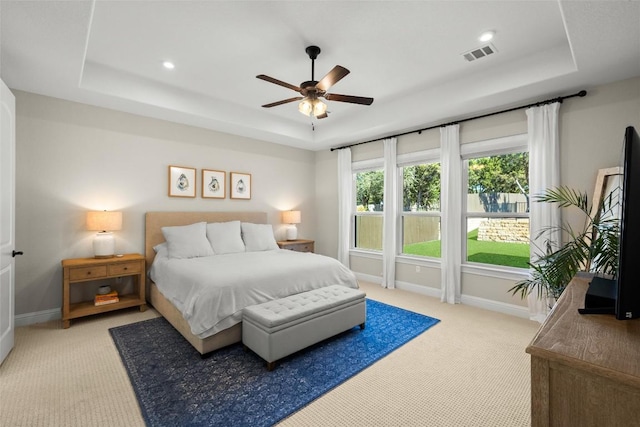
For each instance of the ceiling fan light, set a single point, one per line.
(319, 108)
(305, 107)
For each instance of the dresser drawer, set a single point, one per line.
(124, 268)
(87, 273)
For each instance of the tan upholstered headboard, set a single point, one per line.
(154, 221)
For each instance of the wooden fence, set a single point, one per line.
(416, 229)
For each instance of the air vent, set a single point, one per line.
(480, 52)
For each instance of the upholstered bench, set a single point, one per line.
(278, 328)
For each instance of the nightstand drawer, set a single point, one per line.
(124, 268)
(87, 273)
(299, 245)
(303, 247)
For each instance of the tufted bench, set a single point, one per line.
(278, 328)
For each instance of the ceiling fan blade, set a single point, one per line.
(348, 98)
(323, 116)
(278, 82)
(332, 77)
(284, 101)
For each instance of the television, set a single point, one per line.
(621, 296)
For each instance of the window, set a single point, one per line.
(421, 209)
(369, 208)
(497, 208)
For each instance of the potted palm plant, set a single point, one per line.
(594, 248)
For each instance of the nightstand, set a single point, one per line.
(78, 271)
(298, 245)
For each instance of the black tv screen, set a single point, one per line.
(628, 292)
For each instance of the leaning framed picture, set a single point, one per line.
(240, 185)
(213, 184)
(182, 181)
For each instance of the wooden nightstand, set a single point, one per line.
(299, 245)
(82, 270)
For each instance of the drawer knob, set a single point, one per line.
(126, 268)
(88, 273)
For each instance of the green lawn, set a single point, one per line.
(497, 253)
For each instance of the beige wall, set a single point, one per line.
(591, 131)
(71, 158)
(326, 189)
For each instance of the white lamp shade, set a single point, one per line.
(291, 217)
(104, 221)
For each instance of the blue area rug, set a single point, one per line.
(175, 387)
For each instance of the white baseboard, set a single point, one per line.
(369, 278)
(37, 317)
(500, 307)
(419, 289)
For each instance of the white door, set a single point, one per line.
(7, 218)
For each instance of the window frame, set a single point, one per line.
(358, 167)
(402, 161)
(487, 148)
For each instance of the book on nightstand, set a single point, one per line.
(110, 298)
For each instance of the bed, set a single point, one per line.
(209, 314)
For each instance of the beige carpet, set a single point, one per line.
(469, 370)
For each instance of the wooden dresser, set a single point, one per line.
(585, 369)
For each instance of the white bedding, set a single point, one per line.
(211, 292)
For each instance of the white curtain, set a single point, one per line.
(451, 213)
(544, 173)
(390, 215)
(345, 204)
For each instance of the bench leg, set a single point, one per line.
(270, 366)
(361, 326)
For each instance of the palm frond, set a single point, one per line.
(565, 197)
(594, 248)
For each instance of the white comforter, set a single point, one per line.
(211, 292)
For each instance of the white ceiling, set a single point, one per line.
(405, 54)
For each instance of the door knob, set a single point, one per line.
(14, 253)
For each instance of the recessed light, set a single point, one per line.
(168, 65)
(486, 36)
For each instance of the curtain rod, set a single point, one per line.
(581, 94)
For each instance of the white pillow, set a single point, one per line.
(258, 237)
(187, 241)
(225, 237)
(161, 249)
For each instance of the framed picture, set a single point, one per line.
(240, 185)
(213, 184)
(182, 181)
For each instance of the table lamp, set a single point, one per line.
(292, 218)
(104, 245)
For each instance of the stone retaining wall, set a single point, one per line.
(513, 230)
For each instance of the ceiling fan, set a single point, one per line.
(312, 90)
